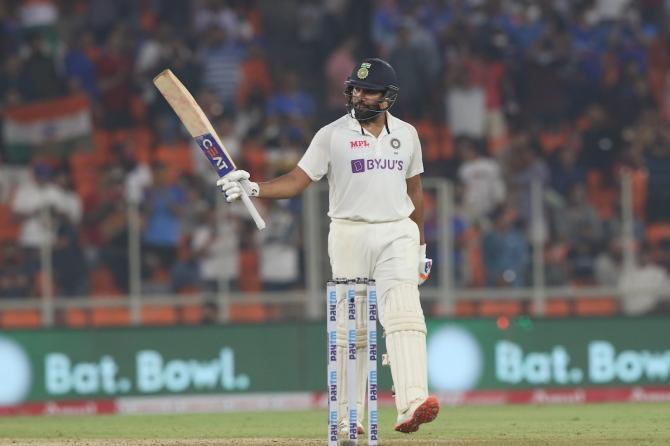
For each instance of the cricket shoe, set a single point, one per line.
(425, 413)
(344, 428)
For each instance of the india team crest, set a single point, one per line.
(395, 143)
(364, 70)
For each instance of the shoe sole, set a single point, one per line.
(425, 413)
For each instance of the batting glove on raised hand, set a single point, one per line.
(235, 182)
(424, 265)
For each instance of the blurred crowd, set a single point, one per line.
(504, 93)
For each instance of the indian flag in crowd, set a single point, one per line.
(55, 127)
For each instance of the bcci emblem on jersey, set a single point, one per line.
(395, 143)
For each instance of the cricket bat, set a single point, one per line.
(197, 124)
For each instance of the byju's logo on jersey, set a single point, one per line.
(357, 166)
(359, 144)
(361, 165)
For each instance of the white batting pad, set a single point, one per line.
(342, 399)
(406, 344)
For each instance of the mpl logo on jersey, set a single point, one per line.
(361, 165)
(215, 154)
(359, 144)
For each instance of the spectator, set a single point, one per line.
(556, 269)
(385, 20)
(162, 208)
(645, 287)
(114, 72)
(338, 66)
(67, 200)
(582, 262)
(256, 83)
(601, 142)
(222, 59)
(465, 103)
(524, 167)
(138, 176)
(405, 57)
(79, 68)
(505, 251)
(545, 66)
(280, 248)
(38, 72)
(484, 188)
(565, 171)
(218, 14)
(33, 202)
(213, 252)
(578, 221)
(153, 50)
(151, 55)
(291, 101)
(69, 263)
(107, 220)
(16, 275)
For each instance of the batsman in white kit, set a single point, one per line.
(373, 164)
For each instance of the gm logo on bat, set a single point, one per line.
(215, 154)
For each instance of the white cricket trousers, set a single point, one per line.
(387, 252)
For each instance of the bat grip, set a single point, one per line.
(246, 185)
(260, 224)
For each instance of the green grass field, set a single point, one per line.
(598, 424)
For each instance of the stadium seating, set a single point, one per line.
(596, 306)
(158, 315)
(76, 317)
(13, 319)
(110, 317)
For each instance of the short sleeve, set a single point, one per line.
(416, 162)
(316, 159)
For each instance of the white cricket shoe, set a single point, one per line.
(344, 427)
(424, 413)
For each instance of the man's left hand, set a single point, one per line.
(424, 265)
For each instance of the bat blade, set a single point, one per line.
(195, 121)
(199, 127)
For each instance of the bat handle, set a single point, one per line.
(260, 223)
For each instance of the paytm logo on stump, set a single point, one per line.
(361, 165)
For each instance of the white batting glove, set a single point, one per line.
(235, 182)
(424, 265)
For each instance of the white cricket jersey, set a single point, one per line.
(366, 175)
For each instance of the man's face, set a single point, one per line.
(365, 104)
(365, 97)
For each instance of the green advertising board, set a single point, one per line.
(463, 355)
(477, 354)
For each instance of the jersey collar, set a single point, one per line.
(391, 123)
